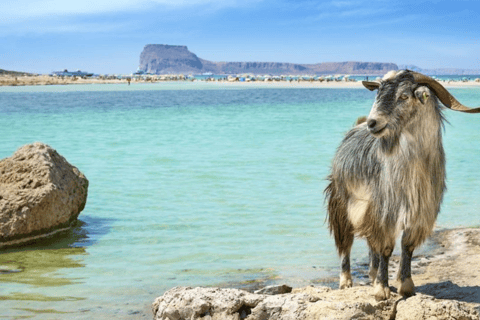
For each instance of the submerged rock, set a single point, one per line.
(310, 303)
(41, 194)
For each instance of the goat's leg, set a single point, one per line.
(381, 289)
(342, 230)
(373, 267)
(344, 250)
(407, 288)
(346, 276)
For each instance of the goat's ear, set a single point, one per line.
(422, 93)
(371, 85)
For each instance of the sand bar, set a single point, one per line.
(9, 80)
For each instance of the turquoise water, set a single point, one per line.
(194, 184)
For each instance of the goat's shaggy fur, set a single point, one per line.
(388, 176)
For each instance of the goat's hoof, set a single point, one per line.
(381, 292)
(346, 280)
(407, 288)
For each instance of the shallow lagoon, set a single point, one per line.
(194, 184)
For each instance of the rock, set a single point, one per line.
(423, 306)
(41, 194)
(159, 58)
(310, 303)
(233, 304)
(272, 290)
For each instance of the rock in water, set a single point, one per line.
(40, 194)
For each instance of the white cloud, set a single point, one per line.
(345, 10)
(99, 16)
(22, 9)
(27, 9)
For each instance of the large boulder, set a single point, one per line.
(41, 194)
(309, 303)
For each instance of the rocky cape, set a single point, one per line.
(165, 59)
(447, 285)
(41, 194)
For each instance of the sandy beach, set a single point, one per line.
(10, 80)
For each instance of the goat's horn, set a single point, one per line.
(445, 97)
(371, 85)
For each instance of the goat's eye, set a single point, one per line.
(404, 97)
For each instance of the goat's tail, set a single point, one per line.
(337, 216)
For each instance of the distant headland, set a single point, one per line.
(169, 60)
(164, 59)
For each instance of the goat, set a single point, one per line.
(388, 176)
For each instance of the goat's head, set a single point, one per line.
(401, 97)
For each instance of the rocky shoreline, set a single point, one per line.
(447, 281)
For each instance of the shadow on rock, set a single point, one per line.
(452, 291)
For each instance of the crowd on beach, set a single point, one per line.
(29, 79)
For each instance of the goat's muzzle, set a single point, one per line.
(375, 127)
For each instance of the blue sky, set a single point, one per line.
(107, 36)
